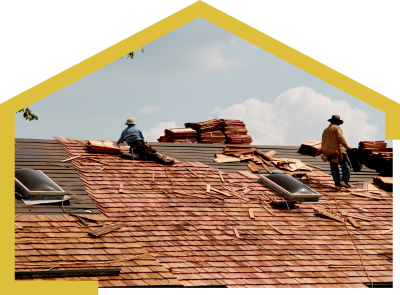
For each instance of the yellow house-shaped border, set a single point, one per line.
(196, 10)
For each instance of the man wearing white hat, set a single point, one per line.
(134, 137)
(334, 147)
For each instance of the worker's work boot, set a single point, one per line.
(345, 184)
(338, 187)
(169, 162)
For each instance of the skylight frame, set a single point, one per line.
(286, 194)
(27, 193)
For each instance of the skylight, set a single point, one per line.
(35, 185)
(290, 188)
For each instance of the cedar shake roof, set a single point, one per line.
(210, 239)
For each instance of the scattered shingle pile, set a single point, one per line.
(256, 158)
(311, 147)
(375, 155)
(188, 135)
(196, 221)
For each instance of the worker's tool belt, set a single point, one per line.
(144, 146)
(335, 158)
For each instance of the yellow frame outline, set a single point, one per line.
(109, 55)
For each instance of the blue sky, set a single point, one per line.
(195, 73)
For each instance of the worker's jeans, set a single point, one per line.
(345, 170)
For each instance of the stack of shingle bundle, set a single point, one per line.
(209, 125)
(311, 147)
(375, 155)
(179, 135)
(366, 148)
(384, 163)
(239, 139)
(376, 158)
(234, 127)
(163, 138)
(208, 131)
(385, 183)
(211, 137)
(380, 144)
(102, 146)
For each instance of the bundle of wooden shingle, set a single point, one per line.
(211, 137)
(102, 146)
(376, 155)
(311, 147)
(163, 138)
(187, 135)
(379, 144)
(239, 139)
(235, 132)
(209, 125)
(211, 131)
(234, 127)
(208, 131)
(385, 183)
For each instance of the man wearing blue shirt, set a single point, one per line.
(134, 138)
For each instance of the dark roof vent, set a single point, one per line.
(290, 188)
(35, 185)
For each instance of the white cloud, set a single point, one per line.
(209, 58)
(149, 110)
(155, 132)
(297, 115)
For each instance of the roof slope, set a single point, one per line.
(192, 233)
(46, 155)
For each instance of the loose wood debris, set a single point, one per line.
(106, 229)
(353, 222)
(365, 195)
(251, 213)
(253, 166)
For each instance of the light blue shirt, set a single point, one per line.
(131, 135)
